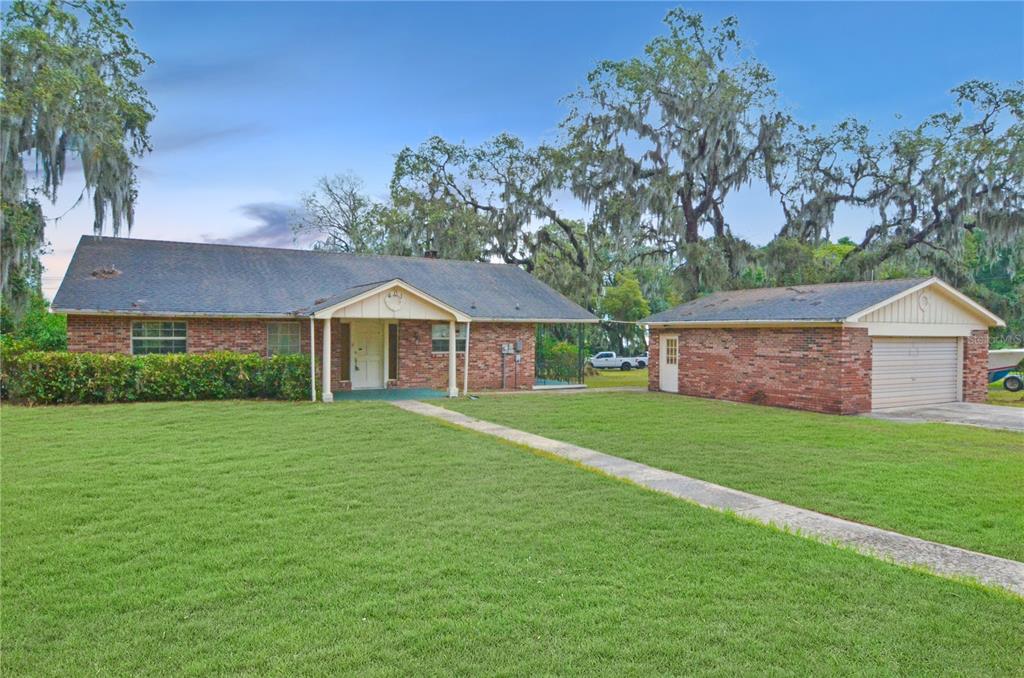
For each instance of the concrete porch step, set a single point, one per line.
(389, 394)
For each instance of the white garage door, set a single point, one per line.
(914, 371)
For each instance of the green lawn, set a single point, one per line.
(997, 395)
(954, 484)
(605, 378)
(271, 538)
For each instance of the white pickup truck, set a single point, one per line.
(609, 360)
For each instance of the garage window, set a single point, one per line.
(671, 350)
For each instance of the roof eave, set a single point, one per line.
(289, 316)
(172, 314)
(743, 323)
(546, 321)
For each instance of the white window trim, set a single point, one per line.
(298, 335)
(132, 337)
(672, 357)
(458, 326)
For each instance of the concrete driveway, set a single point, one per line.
(970, 414)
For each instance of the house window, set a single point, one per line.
(283, 338)
(671, 350)
(158, 337)
(392, 351)
(439, 338)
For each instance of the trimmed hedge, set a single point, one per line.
(48, 378)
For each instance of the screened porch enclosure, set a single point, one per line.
(560, 354)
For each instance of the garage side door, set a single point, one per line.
(913, 371)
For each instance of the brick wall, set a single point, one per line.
(855, 369)
(823, 369)
(653, 360)
(99, 334)
(976, 367)
(112, 334)
(419, 367)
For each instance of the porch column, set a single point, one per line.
(453, 383)
(328, 395)
(312, 359)
(465, 365)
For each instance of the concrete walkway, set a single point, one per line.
(970, 414)
(941, 559)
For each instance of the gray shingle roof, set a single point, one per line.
(158, 277)
(823, 303)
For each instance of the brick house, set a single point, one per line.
(843, 348)
(373, 322)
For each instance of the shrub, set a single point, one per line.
(36, 327)
(559, 362)
(39, 377)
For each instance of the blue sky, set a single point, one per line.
(257, 100)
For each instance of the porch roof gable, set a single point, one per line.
(360, 293)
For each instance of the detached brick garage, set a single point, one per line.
(842, 348)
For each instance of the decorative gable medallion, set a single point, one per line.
(394, 299)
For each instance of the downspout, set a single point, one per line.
(465, 366)
(312, 359)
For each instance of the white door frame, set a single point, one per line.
(387, 351)
(663, 363)
(960, 369)
(354, 327)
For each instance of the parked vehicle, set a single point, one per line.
(609, 360)
(1006, 364)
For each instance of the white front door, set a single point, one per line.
(367, 368)
(668, 363)
(914, 371)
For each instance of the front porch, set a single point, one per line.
(392, 342)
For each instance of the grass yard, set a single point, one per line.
(954, 484)
(997, 395)
(606, 378)
(276, 538)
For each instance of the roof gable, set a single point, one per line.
(395, 299)
(933, 301)
(152, 277)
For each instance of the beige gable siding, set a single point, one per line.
(412, 307)
(926, 312)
